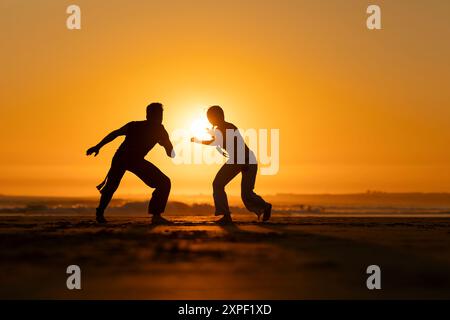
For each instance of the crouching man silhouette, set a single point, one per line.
(140, 138)
(241, 160)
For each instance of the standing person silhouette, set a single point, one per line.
(241, 160)
(140, 138)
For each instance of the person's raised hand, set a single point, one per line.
(93, 150)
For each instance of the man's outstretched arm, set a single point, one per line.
(110, 137)
(205, 142)
(215, 140)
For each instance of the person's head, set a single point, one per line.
(155, 112)
(215, 115)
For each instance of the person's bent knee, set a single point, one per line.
(110, 187)
(245, 198)
(165, 183)
(218, 186)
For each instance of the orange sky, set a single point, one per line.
(356, 109)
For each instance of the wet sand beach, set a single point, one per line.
(291, 257)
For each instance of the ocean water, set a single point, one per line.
(417, 205)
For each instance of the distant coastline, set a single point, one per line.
(360, 203)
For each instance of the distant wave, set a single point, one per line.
(181, 208)
(135, 207)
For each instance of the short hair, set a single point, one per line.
(216, 111)
(154, 107)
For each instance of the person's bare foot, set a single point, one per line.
(100, 218)
(225, 220)
(267, 212)
(160, 221)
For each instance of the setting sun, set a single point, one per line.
(199, 128)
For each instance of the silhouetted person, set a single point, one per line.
(241, 160)
(140, 138)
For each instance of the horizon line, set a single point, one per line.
(123, 196)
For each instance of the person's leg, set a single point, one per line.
(252, 201)
(154, 178)
(113, 179)
(223, 177)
